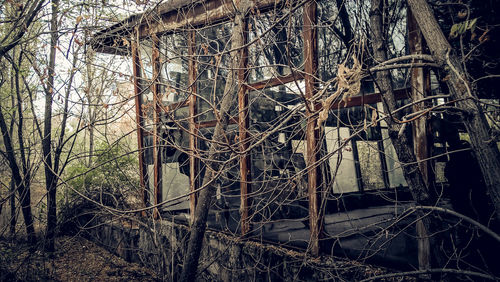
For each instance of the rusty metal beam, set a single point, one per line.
(399, 94)
(212, 123)
(312, 133)
(243, 125)
(168, 17)
(193, 130)
(195, 14)
(156, 126)
(276, 81)
(136, 68)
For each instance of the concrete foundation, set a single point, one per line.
(224, 258)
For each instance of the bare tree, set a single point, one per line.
(483, 143)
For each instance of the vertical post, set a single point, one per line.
(136, 68)
(420, 87)
(312, 133)
(243, 124)
(156, 125)
(193, 131)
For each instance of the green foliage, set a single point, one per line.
(112, 181)
(113, 173)
(461, 28)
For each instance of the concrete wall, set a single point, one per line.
(224, 258)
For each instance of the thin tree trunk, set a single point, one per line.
(484, 146)
(23, 190)
(205, 199)
(12, 208)
(401, 142)
(91, 140)
(19, 182)
(50, 174)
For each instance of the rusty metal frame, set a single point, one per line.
(136, 68)
(312, 132)
(156, 129)
(193, 129)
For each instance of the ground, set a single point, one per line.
(76, 259)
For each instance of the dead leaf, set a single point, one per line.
(484, 37)
(462, 14)
(374, 117)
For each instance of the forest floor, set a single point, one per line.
(75, 259)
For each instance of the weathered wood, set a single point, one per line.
(420, 87)
(136, 68)
(484, 146)
(193, 130)
(312, 133)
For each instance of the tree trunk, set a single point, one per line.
(23, 190)
(401, 142)
(19, 182)
(50, 174)
(12, 208)
(484, 146)
(205, 199)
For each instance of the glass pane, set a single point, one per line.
(225, 212)
(175, 161)
(370, 165)
(278, 49)
(146, 57)
(213, 59)
(145, 83)
(173, 82)
(394, 170)
(342, 161)
(268, 107)
(279, 176)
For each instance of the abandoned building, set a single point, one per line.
(296, 166)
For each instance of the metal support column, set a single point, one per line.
(193, 130)
(312, 132)
(136, 68)
(156, 126)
